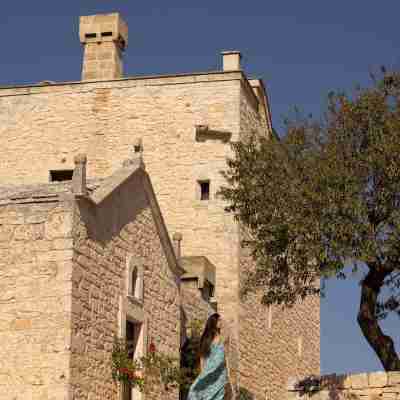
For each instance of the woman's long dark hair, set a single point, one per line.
(209, 333)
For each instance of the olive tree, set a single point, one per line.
(325, 197)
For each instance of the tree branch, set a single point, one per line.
(382, 344)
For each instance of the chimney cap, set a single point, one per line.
(228, 52)
(231, 60)
(103, 28)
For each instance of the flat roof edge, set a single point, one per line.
(47, 84)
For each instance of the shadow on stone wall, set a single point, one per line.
(244, 394)
(331, 385)
(375, 385)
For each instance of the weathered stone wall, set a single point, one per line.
(103, 120)
(35, 299)
(295, 343)
(275, 343)
(105, 237)
(366, 386)
(195, 306)
(251, 120)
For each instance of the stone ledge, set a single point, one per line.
(374, 386)
(199, 268)
(196, 77)
(378, 379)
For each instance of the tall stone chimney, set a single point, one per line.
(104, 38)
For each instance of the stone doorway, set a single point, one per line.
(134, 341)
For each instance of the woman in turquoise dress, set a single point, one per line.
(213, 378)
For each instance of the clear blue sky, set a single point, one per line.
(302, 50)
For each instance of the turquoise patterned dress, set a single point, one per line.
(210, 384)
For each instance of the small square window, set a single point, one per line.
(204, 187)
(61, 175)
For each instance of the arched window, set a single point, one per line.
(135, 279)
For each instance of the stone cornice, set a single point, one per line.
(158, 80)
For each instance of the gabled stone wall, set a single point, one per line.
(106, 236)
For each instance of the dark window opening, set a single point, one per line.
(90, 35)
(61, 175)
(134, 279)
(211, 290)
(208, 290)
(105, 34)
(204, 190)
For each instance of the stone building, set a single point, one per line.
(69, 249)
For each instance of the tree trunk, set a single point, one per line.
(382, 344)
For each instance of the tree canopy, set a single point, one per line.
(326, 196)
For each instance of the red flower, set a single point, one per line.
(152, 348)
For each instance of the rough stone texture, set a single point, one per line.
(104, 120)
(102, 61)
(372, 386)
(269, 350)
(378, 379)
(195, 306)
(35, 300)
(105, 236)
(270, 355)
(63, 267)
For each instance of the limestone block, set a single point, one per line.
(293, 395)
(374, 393)
(22, 324)
(355, 394)
(6, 233)
(62, 244)
(29, 232)
(390, 389)
(55, 255)
(7, 294)
(389, 396)
(394, 378)
(377, 379)
(359, 381)
(58, 225)
(36, 218)
(47, 269)
(347, 381)
(323, 395)
(14, 219)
